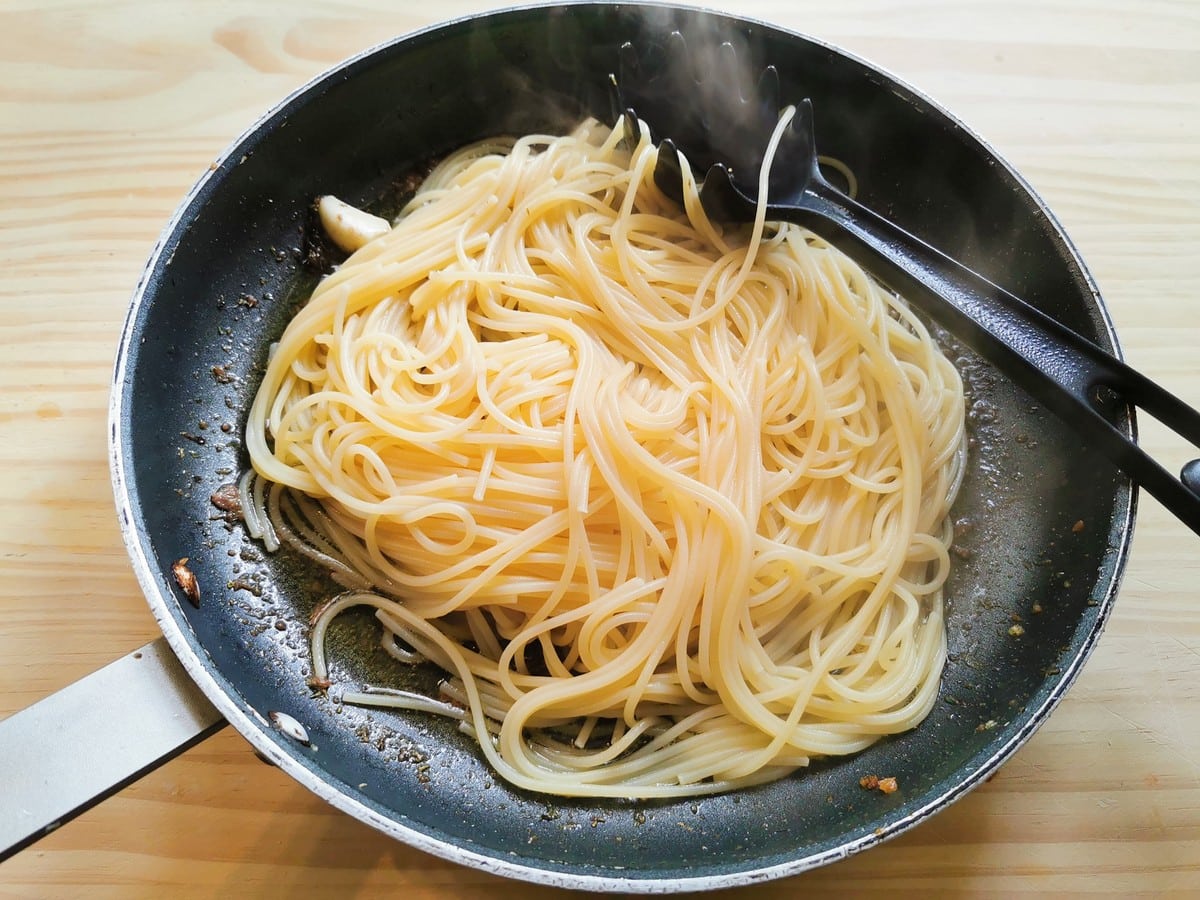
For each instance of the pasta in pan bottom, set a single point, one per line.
(667, 501)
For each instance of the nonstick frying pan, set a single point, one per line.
(232, 268)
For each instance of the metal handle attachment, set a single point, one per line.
(69, 751)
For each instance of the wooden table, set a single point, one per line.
(109, 111)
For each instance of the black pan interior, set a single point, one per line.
(229, 276)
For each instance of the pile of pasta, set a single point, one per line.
(668, 501)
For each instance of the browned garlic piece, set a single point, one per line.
(348, 226)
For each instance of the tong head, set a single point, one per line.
(706, 104)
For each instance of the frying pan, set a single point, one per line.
(230, 271)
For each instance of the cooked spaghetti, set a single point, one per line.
(667, 501)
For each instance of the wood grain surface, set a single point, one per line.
(110, 110)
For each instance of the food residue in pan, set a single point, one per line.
(886, 785)
(290, 726)
(186, 579)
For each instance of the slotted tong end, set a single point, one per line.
(705, 103)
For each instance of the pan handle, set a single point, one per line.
(69, 751)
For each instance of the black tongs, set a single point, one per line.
(706, 122)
